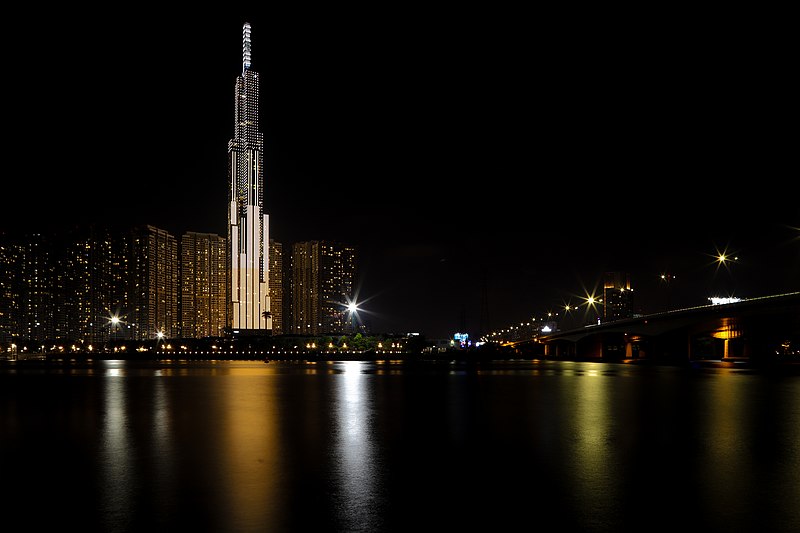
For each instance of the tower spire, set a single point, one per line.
(246, 47)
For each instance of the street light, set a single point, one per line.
(591, 301)
(667, 279)
(723, 258)
(569, 321)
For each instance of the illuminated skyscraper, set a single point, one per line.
(248, 224)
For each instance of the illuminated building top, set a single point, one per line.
(246, 47)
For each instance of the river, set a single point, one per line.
(246, 446)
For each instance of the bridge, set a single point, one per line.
(763, 329)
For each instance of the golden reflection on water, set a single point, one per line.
(239, 426)
(596, 462)
(251, 449)
(721, 450)
(739, 429)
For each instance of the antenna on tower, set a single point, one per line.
(246, 45)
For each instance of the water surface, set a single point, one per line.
(366, 446)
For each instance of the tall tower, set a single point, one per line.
(248, 224)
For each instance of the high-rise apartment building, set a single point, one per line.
(276, 284)
(248, 224)
(64, 286)
(37, 289)
(154, 278)
(203, 285)
(72, 285)
(94, 276)
(10, 258)
(323, 283)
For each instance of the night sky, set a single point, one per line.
(477, 159)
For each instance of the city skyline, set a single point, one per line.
(503, 168)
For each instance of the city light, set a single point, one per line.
(591, 301)
(723, 258)
(722, 301)
(351, 306)
(114, 321)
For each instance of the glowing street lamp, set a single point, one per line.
(591, 302)
(569, 318)
(114, 322)
(667, 280)
(352, 312)
(723, 258)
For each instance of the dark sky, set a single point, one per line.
(477, 158)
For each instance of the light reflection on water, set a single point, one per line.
(592, 445)
(353, 459)
(117, 476)
(349, 446)
(249, 452)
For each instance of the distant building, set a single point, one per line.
(323, 277)
(617, 296)
(203, 283)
